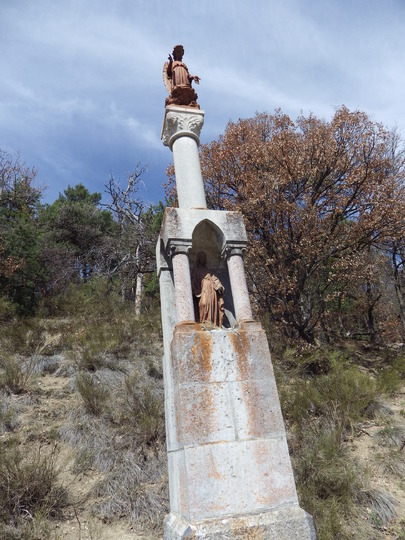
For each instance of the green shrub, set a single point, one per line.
(390, 379)
(93, 393)
(7, 309)
(328, 483)
(337, 400)
(320, 410)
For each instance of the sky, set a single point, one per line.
(81, 90)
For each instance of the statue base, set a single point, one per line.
(230, 474)
(286, 523)
(183, 96)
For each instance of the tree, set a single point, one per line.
(22, 273)
(314, 195)
(78, 234)
(133, 252)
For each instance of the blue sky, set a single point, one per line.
(81, 92)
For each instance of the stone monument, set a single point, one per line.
(230, 474)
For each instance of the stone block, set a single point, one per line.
(220, 355)
(256, 409)
(286, 523)
(228, 454)
(237, 478)
(205, 414)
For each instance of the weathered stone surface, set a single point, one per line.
(256, 408)
(221, 355)
(286, 523)
(180, 223)
(190, 231)
(229, 428)
(181, 122)
(237, 478)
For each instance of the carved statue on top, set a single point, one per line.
(178, 81)
(208, 292)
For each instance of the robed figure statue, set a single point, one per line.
(207, 292)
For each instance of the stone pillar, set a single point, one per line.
(182, 282)
(230, 475)
(181, 131)
(237, 277)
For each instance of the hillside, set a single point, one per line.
(82, 440)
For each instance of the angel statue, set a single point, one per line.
(178, 80)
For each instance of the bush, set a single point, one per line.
(391, 378)
(29, 485)
(22, 335)
(338, 400)
(143, 409)
(16, 375)
(26, 529)
(328, 483)
(320, 411)
(92, 391)
(7, 309)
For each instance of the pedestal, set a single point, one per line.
(229, 466)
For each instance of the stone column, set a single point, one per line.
(181, 131)
(182, 282)
(237, 277)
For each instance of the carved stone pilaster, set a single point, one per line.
(233, 254)
(180, 122)
(175, 247)
(233, 249)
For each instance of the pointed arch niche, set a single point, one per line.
(208, 237)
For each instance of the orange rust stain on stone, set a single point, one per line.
(205, 347)
(254, 407)
(198, 416)
(212, 471)
(200, 363)
(241, 346)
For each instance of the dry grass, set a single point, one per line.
(15, 373)
(322, 413)
(30, 491)
(112, 421)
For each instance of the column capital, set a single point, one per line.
(233, 249)
(174, 247)
(181, 122)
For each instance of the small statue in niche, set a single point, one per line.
(178, 81)
(207, 292)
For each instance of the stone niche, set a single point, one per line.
(191, 231)
(209, 238)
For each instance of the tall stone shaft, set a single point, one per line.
(230, 474)
(181, 132)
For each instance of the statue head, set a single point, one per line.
(201, 259)
(178, 52)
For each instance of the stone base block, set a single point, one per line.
(286, 523)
